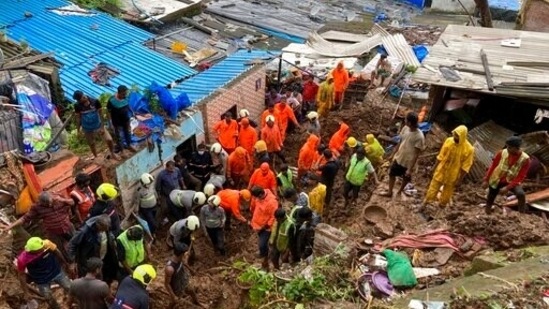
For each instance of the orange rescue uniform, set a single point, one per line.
(272, 138)
(227, 133)
(337, 142)
(247, 136)
(283, 114)
(263, 211)
(230, 202)
(263, 177)
(239, 165)
(308, 155)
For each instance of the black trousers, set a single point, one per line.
(217, 235)
(518, 191)
(348, 187)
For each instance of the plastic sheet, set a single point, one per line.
(171, 105)
(421, 52)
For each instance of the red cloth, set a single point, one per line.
(433, 239)
(511, 159)
(310, 89)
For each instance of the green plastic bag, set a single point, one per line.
(399, 269)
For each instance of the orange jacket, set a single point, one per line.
(247, 138)
(337, 142)
(264, 117)
(226, 133)
(263, 211)
(263, 177)
(341, 79)
(239, 163)
(272, 138)
(230, 202)
(308, 153)
(284, 113)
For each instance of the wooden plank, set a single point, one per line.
(489, 81)
(23, 62)
(532, 197)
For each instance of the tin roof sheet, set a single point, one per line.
(204, 84)
(460, 46)
(79, 42)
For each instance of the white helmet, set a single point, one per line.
(209, 189)
(147, 179)
(216, 148)
(214, 200)
(270, 118)
(312, 115)
(244, 113)
(193, 223)
(199, 198)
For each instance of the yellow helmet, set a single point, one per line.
(34, 244)
(107, 192)
(144, 273)
(260, 146)
(351, 142)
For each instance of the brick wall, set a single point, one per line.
(247, 92)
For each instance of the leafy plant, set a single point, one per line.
(94, 4)
(77, 144)
(262, 282)
(302, 289)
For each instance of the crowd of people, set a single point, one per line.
(242, 178)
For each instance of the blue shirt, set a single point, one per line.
(168, 181)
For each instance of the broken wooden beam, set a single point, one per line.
(530, 198)
(489, 81)
(529, 63)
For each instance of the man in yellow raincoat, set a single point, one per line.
(374, 150)
(454, 161)
(325, 96)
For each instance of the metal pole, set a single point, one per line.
(59, 132)
(279, 77)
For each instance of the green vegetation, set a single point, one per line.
(325, 281)
(94, 4)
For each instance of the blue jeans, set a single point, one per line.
(217, 236)
(264, 243)
(149, 215)
(45, 288)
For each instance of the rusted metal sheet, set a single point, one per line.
(488, 139)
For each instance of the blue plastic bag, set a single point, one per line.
(138, 103)
(421, 52)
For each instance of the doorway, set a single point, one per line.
(186, 148)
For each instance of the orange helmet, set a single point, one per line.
(245, 194)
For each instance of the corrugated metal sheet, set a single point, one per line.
(460, 46)
(81, 41)
(488, 139)
(202, 85)
(325, 48)
(397, 46)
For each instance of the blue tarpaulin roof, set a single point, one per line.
(80, 42)
(202, 85)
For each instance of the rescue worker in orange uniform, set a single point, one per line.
(263, 177)
(239, 167)
(283, 114)
(263, 207)
(270, 111)
(226, 132)
(271, 134)
(307, 155)
(341, 82)
(337, 142)
(232, 201)
(247, 136)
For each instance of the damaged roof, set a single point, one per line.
(221, 74)
(80, 41)
(512, 68)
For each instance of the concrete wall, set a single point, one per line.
(534, 16)
(453, 6)
(128, 173)
(247, 92)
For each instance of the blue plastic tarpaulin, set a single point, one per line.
(171, 105)
(421, 52)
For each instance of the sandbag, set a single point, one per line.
(399, 269)
(24, 202)
(33, 182)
